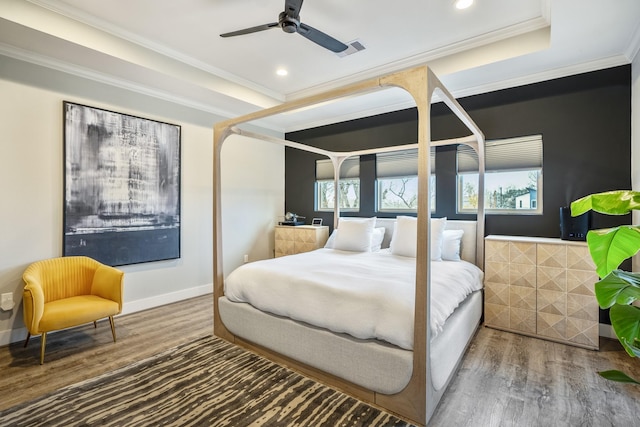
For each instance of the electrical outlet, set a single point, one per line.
(6, 301)
(246, 258)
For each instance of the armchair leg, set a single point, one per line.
(113, 328)
(95, 324)
(43, 344)
(26, 342)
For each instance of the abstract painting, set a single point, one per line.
(122, 186)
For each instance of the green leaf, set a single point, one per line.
(618, 287)
(609, 247)
(618, 376)
(618, 202)
(635, 348)
(625, 320)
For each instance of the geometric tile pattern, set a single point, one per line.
(579, 258)
(522, 320)
(522, 253)
(552, 255)
(291, 240)
(496, 293)
(581, 282)
(496, 251)
(542, 287)
(583, 332)
(552, 278)
(582, 307)
(521, 297)
(497, 272)
(522, 275)
(552, 302)
(496, 315)
(551, 326)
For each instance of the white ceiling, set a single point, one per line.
(172, 49)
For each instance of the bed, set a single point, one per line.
(405, 375)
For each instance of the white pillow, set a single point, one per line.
(404, 238)
(451, 241)
(437, 230)
(354, 235)
(331, 240)
(376, 239)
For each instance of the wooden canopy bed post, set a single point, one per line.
(418, 400)
(337, 164)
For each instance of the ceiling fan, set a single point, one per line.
(289, 21)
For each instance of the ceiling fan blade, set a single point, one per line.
(292, 7)
(251, 30)
(321, 38)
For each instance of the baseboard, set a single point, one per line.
(164, 299)
(13, 335)
(607, 331)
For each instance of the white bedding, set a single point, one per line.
(364, 294)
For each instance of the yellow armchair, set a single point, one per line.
(69, 291)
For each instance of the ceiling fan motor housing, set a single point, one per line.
(288, 23)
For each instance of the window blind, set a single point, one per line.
(503, 154)
(401, 163)
(350, 169)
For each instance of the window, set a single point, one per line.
(397, 181)
(513, 176)
(349, 191)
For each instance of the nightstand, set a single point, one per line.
(295, 239)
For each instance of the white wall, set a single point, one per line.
(31, 189)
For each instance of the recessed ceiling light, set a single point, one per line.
(463, 4)
(282, 72)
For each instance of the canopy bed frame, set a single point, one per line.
(418, 400)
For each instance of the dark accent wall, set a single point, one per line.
(585, 122)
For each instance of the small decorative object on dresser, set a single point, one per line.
(302, 238)
(541, 287)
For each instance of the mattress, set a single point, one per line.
(372, 364)
(368, 295)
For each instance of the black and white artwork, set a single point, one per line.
(122, 186)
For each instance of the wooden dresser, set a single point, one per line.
(541, 287)
(291, 240)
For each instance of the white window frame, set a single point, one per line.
(401, 165)
(349, 171)
(522, 154)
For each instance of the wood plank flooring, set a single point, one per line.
(80, 353)
(512, 380)
(505, 379)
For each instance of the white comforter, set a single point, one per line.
(366, 295)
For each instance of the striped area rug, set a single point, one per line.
(208, 382)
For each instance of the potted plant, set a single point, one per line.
(617, 289)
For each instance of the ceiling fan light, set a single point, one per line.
(463, 4)
(289, 27)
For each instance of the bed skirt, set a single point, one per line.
(372, 364)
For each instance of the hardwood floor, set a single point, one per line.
(505, 379)
(80, 353)
(512, 380)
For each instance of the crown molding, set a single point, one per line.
(586, 67)
(634, 44)
(387, 108)
(89, 74)
(103, 26)
(427, 57)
